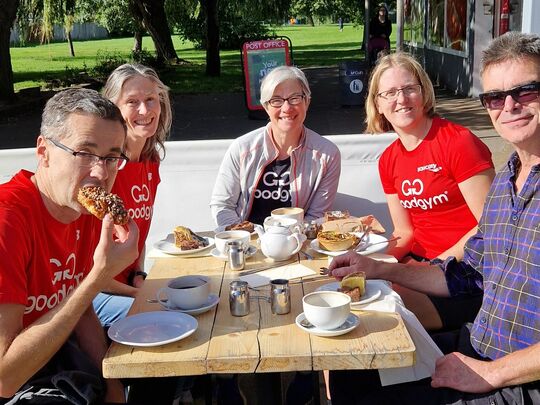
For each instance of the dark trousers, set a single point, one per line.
(363, 386)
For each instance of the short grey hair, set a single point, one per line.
(55, 117)
(510, 46)
(113, 89)
(279, 75)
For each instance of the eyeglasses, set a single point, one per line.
(494, 100)
(295, 99)
(408, 91)
(90, 160)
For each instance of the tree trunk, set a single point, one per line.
(213, 64)
(137, 41)
(155, 22)
(139, 29)
(70, 42)
(310, 20)
(8, 12)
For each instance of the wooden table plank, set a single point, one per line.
(283, 345)
(185, 357)
(235, 340)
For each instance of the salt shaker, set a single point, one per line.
(239, 298)
(236, 255)
(280, 296)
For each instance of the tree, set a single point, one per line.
(155, 22)
(8, 12)
(213, 62)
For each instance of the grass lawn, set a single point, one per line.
(322, 45)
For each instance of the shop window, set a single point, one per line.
(413, 24)
(447, 24)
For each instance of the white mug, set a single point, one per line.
(289, 212)
(185, 292)
(222, 238)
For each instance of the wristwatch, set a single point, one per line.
(135, 273)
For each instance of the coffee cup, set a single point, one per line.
(283, 222)
(185, 292)
(222, 238)
(326, 309)
(289, 212)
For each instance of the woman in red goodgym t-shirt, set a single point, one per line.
(436, 176)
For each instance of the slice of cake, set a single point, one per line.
(354, 285)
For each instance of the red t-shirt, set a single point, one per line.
(136, 184)
(43, 260)
(426, 182)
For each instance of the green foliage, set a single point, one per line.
(106, 62)
(113, 15)
(238, 20)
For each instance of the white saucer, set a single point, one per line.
(251, 251)
(152, 328)
(364, 248)
(371, 294)
(212, 301)
(352, 322)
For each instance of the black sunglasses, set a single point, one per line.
(494, 100)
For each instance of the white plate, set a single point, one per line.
(251, 251)
(152, 328)
(212, 301)
(167, 246)
(371, 238)
(371, 294)
(350, 323)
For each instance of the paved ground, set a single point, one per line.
(225, 116)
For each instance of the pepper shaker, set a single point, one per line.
(237, 259)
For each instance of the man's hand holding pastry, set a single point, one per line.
(117, 247)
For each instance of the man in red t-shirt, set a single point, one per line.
(55, 260)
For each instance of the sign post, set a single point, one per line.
(258, 59)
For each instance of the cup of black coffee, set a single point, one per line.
(185, 292)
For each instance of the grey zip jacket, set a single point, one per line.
(315, 170)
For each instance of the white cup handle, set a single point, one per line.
(163, 302)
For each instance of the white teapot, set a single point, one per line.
(281, 240)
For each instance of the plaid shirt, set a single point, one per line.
(503, 259)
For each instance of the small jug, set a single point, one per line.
(280, 296)
(239, 298)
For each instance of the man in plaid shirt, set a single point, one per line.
(495, 360)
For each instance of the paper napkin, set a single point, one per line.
(427, 351)
(287, 272)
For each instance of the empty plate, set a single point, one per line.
(152, 328)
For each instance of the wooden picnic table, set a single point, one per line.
(261, 341)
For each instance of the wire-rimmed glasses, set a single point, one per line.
(90, 160)
(407, 91)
